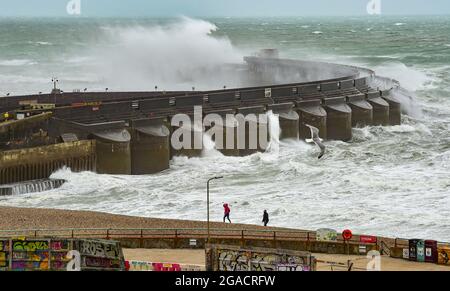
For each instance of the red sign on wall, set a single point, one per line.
(368, 239)
(347, 234)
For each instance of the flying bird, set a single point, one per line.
(316, 139)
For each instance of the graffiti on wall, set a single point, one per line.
(4, 247)
(444, 256)
(233, 260)
(326, 235)
(106, 263)
(50, 254)
(292, 268)
(100, 254)
(160, 267)
(247, 260)
(99, 249)
(30, 246)
(271, 262)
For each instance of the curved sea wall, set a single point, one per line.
(135, 133)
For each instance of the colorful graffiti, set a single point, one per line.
(4, 248)
(3, 260)
(105, 263)
(326, 235)
(29, 265)
(60, 245)
(444, 256)
(31, 254)
(161, 267)
(140, 266)
(30, 246)
(4, 245)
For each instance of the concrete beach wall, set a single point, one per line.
(231, 258)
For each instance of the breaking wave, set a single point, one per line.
(183, 54)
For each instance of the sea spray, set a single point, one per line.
(178, 55)
(410, 78)
(209, 147)
(407, 99)
(409, 102)
(274, 132)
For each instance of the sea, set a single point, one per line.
(391, 181)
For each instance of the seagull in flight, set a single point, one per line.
(316, 139)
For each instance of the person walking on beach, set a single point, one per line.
(227, 211)
(265, 218)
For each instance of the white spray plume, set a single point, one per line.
(404, 87)
(410, 78)
(179, 55)
(408, 99)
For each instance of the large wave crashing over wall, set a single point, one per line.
(411, 80)
(178, 55)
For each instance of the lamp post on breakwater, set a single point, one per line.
(207, 201)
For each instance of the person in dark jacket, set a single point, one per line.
(265, 218)
(227, 211)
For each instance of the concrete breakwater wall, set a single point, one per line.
(132, 133)
(143, 146)
(41, 162)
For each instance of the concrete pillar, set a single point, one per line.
(226, 125)
(339, 119)
(192, 138)
(150, 148)
(289, 119)
(395, 108)
(311, 112)
(380, 108)
(113, 152)
(362, 111)
(253, 121)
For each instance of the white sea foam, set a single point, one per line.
(290, 186)
(42, 43)
(317, 32)
(17, 62)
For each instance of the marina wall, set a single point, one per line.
(131, 132)
(41, 162)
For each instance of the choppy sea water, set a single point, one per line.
(392, 181)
